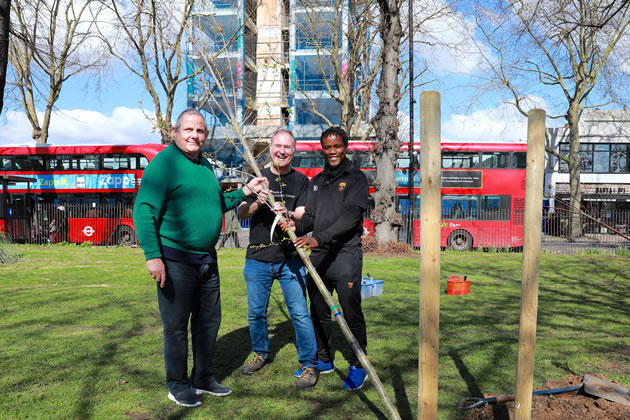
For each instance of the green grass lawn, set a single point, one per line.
(80, 336)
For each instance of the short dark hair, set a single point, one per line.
(335, 131)
(188, 111)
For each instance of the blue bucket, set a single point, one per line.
(371, 287)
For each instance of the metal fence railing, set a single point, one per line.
(112, 224)
(105, 225)
(602, 232)
(48, 223)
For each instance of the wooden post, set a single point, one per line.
(430, 212)
(531, 262)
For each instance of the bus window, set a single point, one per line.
(6, 164)
(133, 161)
(455, 160)
(58, 163)
(519, 160)
(403, 206)
(361, 158)
(495, 160)
(494, 207)
(86, 162)
(29, 163)
(22, 163)
(308, 159)
(459, 207)
(143, 162)
(403, 160)
(116, 161)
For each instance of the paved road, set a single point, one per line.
(603, 242)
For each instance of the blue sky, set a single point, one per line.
(109, 111)
(92, 113)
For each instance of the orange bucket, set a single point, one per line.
(457, 286)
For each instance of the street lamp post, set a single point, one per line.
(412, 200)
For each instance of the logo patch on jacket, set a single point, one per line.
(350, 285)
(342, 185)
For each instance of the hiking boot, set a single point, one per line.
(254, 365)
(185, 398)
(356, 378)
(322, 367)
(214, 388)
(308, 378)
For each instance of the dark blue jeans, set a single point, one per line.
(191, 291)
(291, 274)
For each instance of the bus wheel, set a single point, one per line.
(460, 240)
(125, 236)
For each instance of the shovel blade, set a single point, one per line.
(606, 389)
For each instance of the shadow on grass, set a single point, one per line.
(471, 383)
(400, 393)
(234, 348)
(109, 354)
(399, 362)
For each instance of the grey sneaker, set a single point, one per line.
(308, 378)
(214, 388)
(185, 399)
(254, 365)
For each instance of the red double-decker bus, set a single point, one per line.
(79, 193)
(483, 189)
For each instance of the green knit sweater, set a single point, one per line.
(180, 204)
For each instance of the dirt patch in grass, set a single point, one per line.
(370, 247)
(570, 405)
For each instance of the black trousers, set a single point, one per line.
(191, 292)
(340, 272)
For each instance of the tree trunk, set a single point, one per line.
(5, 14)
(386, 220)
(40, 136)
(164, 126)
(575, 226)
(167, 120)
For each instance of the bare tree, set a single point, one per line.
(572, 50)
(150, 43)
(345, 40)
(5, 23)
(51, 41)
(357, 44)
(385, 122)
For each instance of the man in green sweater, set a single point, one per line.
(178, 215)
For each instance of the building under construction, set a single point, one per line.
(265, 65)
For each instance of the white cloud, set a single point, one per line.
(502, 123)
(78, 126)
(446, 41)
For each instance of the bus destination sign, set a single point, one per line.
(461, 179)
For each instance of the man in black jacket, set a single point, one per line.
(334, 212)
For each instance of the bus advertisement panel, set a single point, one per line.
(73, 183)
